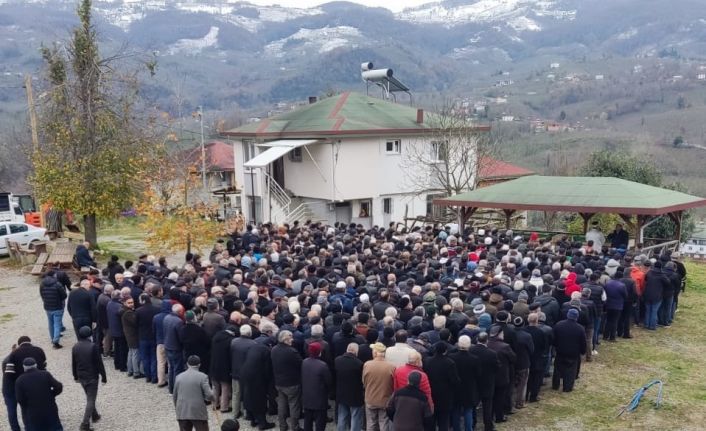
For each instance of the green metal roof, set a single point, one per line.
(576, 194)
(344, 114)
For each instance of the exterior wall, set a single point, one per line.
(363, 170)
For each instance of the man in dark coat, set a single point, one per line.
(102, 320)
(350, 394)
(82, 306)
(507, 359)
(87, 366)
(468, 366)
(195, 342)
(570, 344)
(408, 407)
(444, 381)
(115, 327)
(53, 295)
(145, 333)
(12, 369)
(256, 378)
(489, 366)
(655, 285)
(36, 391)
(172, 325)
(616, 295)
(537, 358)
(316, 387)
(524, 351)
(287, 370)
(625, 321)
(219, 369)
(83, 256)
(238, 351)
(129, 323)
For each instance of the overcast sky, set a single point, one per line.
(394, 5)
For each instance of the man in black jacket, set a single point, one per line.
(570, 344)
(350, 394)
(444, 381)
(538, 357)
(145, 334)
(316, 387)
(238, 351)
(87, 366)
(53, 295)
(468, 366)
(81, 306)
(36, 391)
(525, 349)
(287, 370)
(507, 359)
(489, 365)
(12, 370)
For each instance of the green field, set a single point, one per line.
(674, 355)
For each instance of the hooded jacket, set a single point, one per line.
(52, 293)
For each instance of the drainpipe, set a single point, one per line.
(641, 234)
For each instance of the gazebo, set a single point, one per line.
(586, 196)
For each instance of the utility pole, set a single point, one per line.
(203, 151)
(32, 112)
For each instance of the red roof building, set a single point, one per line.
(493, 171)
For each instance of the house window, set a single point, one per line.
(439, 151)
(3, 230)
(295, 155)
(364, 209)
(387, 205)
(434, 211)
(248, 149)
(393, 146)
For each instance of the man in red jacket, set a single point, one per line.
(401, 376)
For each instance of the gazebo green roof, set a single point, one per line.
(344, 114)
(576, 194)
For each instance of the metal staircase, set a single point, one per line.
(285, 207)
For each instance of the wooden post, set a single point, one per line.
(676, 217)
(586, 218)
(508, 217)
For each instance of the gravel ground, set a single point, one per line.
(124, 403)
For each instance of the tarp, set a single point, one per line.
(277, 149)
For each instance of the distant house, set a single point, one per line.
(340, 159)
(701, 76)
(599, 77)
(554, 65)
(507, 118)
(695, 246)
(220, 171)
(493, 171)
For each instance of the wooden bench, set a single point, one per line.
(78, 236)
(38, 267)
(17, 252)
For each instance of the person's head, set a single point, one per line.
(230, 425)
(618, 227)
(177, 309)
(85, 284)
(464, 342)
(246, 331)
(414, 358)
(194, 361)
(533, 319)
(29, 364)
(483, 338)
(129, 303)
(314, 350)
(352, 349)
(84, 332)
(285, 337)
(317, 331)
(414, 379)
(378, 351)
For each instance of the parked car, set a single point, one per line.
(25, 234)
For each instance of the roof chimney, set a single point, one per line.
(420, 116)
(312, 100)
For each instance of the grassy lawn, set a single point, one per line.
(675, 355)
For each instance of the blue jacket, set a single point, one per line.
(83, 257)
(158, 322)
(616, 295)
(172, 325)
(115, 324)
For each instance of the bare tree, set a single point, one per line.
(451, 158)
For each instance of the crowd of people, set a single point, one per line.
(374, 329)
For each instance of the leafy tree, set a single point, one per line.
(93, 156)
(176, 219)
(621, 165)
(631, 168)
(562, 116)
(678, 141)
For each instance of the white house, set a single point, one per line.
(341, 159)
(695, 246)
